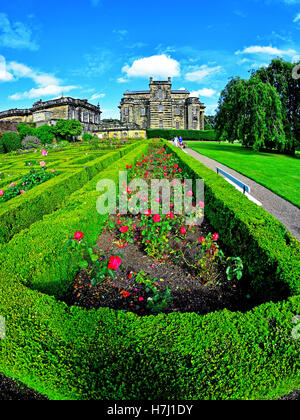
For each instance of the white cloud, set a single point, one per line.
(257, 49)
(51, 90)
(297, 18)
(97, 96)
(5, 76)
(201, 73)
(154, 66)
(207, 93)
(122, 80)
(15, 35)
(47, 84)
(211, 109)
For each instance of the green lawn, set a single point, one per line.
(279, 173)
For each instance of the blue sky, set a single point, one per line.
(97, 49)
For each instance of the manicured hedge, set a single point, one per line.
(78, 354)
(72, 353)
(271, 254)
(206, 135)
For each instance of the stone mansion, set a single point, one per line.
(161, 107)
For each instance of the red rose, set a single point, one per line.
(156, 218)
(201, 239)
(147, 213)
(183, 231)
(215, 236)
(170, 215)
(78, 236)
(114, 263)
(124, 229)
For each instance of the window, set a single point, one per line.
(160, 108)
(161, 124)
(195, 125)
(177, 110)
(143, 112)
(177, 125)
(160, 94)
(126, 112)
(195, 111)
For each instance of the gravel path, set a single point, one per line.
(282, 210)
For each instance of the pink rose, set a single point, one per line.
(1, 193)
(43, 164)
(201, 239)
(114, 263)
(183, 231)
(12, 185)
(215, 236)
(124, 229)
(44, 152)
(156, 218)
(190, 194)
(22, 192)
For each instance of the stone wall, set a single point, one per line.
(8, 127)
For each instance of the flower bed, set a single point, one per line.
(150, 263)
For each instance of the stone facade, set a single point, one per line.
(119, 131)
(49, 112)
(162, 107)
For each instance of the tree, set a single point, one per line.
(45, 133)
(251, 111)
(25, 130)
(67, 129)
(280, 75)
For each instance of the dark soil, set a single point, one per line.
(187, 290)
(11, 390)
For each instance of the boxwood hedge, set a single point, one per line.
(205, 135)
(271, 254)
(73, 353)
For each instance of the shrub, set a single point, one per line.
(87, 137)
(11, 142)
(31, 141)
(25, 130)
(208, 135)
(45, 133)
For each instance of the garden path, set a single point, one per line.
(282, 210)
